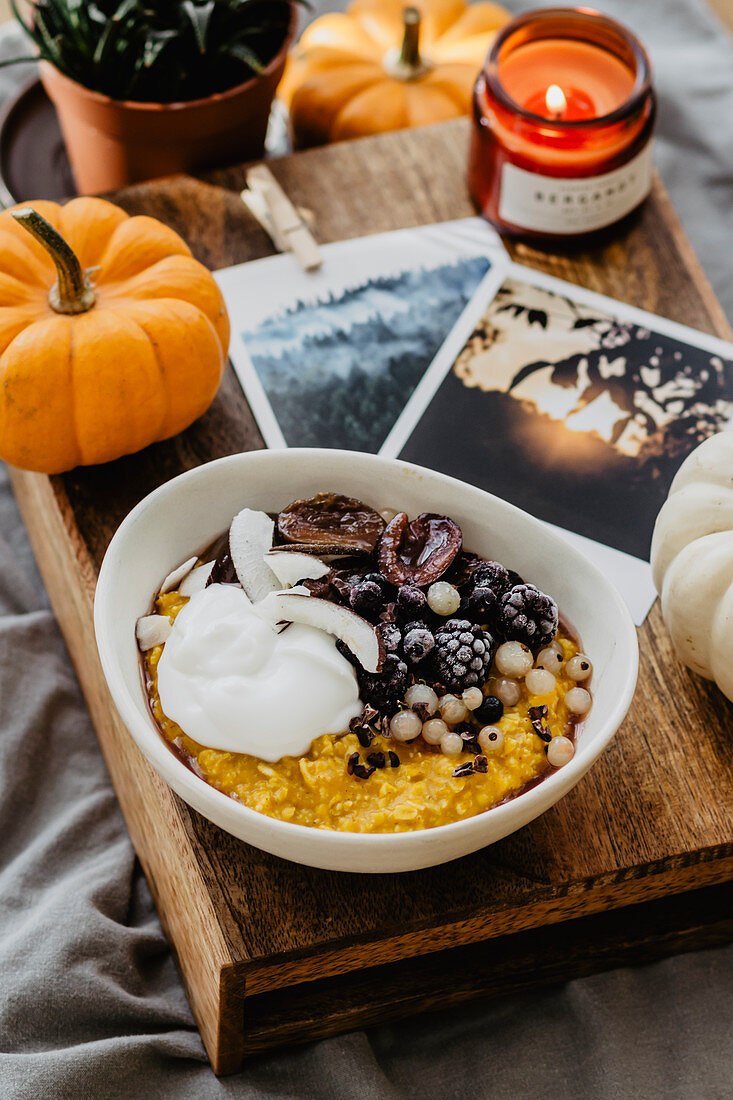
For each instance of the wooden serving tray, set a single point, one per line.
(631, 865)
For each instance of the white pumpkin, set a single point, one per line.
(692, 561)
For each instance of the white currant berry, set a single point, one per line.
(452, 744)
(509, 692)
(513, 659)
(443, 598)
(560, 751)
(434, 730)
(491, 739)
(420, 695)
(540, 682)
(452, 710)
(578, 701)
(405, 725)
(473, 697)
(549, 659)
(579, 667)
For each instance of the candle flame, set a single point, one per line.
(555, 100)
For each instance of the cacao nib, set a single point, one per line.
(536, 716)
(362, 772)
(362, 731)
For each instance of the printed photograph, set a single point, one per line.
(576, 415)
(331, 359)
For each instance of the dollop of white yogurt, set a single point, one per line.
(232, 682)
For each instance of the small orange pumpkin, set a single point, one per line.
(111, 335)
(383, 66)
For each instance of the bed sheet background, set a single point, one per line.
(90, 1003)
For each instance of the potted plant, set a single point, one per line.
(148, 89)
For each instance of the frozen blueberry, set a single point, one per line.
(490, 711)
(367, 598)
(411, 602)
(418, 644)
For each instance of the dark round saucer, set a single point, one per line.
(33, 160)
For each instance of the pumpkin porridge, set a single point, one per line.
(342, 669)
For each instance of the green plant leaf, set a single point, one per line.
(244, 53)
(154, 46)
(156, 50)
(200, 17)
(113, 28)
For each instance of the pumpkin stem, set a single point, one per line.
(406, 63)
(72, 293)
(410, 52)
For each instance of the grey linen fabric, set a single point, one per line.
(90, 1003)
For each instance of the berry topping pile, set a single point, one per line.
(455, 638)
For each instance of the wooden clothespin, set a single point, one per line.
(268, 203)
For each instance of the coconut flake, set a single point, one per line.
(176, 576)
(196, 580)
(291, 568)
(152, 630)
(250, 537)
(361, 637)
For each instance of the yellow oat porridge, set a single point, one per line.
(456, 714)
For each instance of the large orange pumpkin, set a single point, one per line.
(383, 66)
(111, 335)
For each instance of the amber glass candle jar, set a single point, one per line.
(563, 117)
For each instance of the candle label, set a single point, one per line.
(550, 204)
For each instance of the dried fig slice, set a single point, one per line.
(327, 551)
(418, 552)
(223, 571)
(332, 520)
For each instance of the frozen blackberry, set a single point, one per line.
(411, 601)
(527, 615)
(367, 598)
(462, 655)
(494, 575)
(418, 643)
(384, 690)
(391, 636)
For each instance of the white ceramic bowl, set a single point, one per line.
(185, 515)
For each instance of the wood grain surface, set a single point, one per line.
(272, 952)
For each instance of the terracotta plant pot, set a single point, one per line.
(114, 142)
